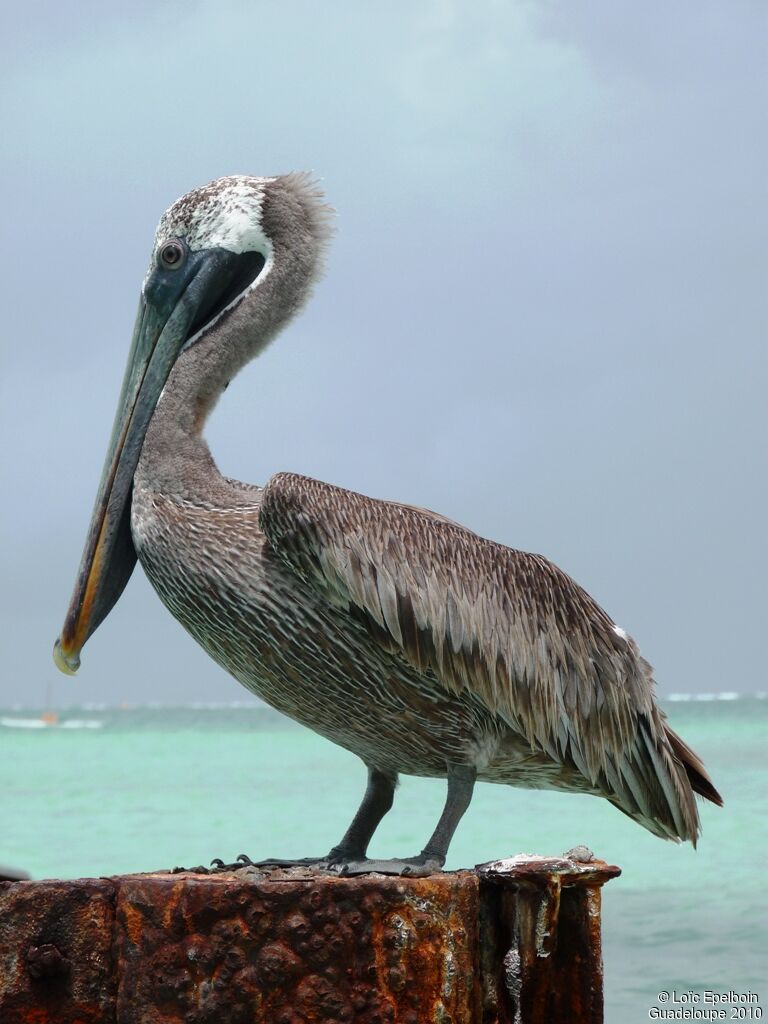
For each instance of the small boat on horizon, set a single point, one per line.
(49, 720)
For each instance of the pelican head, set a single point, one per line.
(214, 251)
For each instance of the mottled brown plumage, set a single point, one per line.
(507, 626)
(402, 636)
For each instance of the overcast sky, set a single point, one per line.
(544, 313)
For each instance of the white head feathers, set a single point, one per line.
(225, 214)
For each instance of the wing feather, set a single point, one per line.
(509, 626)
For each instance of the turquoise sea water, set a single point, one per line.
(157, 787)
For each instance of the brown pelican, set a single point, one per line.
(398, 634)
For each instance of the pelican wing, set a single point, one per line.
(509, 626)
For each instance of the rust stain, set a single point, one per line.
(284, 948)
(544, 965)
(46, 961)
(519, 942)
(55, 952)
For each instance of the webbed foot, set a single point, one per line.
(244, 861)
(411, 867)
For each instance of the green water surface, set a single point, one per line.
(154, 788)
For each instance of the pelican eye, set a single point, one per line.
(172, 254)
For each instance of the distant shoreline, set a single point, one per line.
(255, 705)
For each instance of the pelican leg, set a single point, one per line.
(377, 800)
(461, 783)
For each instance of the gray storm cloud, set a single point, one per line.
(543, 313)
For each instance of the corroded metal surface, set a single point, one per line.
(541, 952)
(289, 950)
(526, 867)
(55, 952)
(514, 941)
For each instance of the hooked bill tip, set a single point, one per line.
(65, 664)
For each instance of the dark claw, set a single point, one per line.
(244, 861)
(217, 864)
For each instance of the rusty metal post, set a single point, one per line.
(514, 941)
(542, 957)
(56, 952)
(289, 950)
